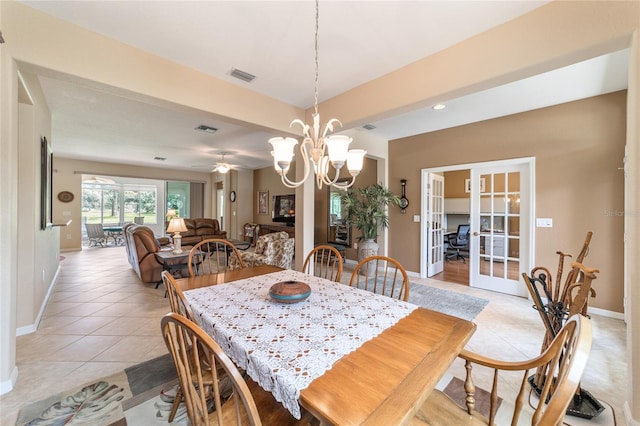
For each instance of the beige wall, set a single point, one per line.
(67, 176)
(37, 249)
(455, 184)
(557, 34)
(368, 176)
(266, 179)
(578, 148)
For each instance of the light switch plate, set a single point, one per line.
(544, 222)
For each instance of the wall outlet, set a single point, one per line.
(416, 218)
(355, 246)
(68, 236)
(544, 222)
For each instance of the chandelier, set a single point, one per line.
(322, 149)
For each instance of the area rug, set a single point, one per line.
(448, 302)
(143, 394)
(445, 301)
(139, 395)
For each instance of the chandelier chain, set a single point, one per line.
(315, 99)
(318, 147)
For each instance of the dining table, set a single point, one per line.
(346, 355)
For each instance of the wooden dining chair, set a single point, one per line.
(564, 361)
(247, 403)
(177, 301)
(178, 305)
(382, 275)
(211, 256)
(324, 261)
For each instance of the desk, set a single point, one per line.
(377, 370)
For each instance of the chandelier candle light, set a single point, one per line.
(321, 148)
(176, 226)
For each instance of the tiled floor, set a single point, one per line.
(101, 319)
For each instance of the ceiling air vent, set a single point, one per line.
(207, 129)
(242, 75)
(159, 158)
(369, 126)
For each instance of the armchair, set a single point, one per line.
(271, 249)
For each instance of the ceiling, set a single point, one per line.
(359, 41)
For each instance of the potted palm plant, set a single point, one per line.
(366, 210)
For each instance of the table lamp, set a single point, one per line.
(176, 226)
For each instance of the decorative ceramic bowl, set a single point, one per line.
(289, 291)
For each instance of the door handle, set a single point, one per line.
(475, 234)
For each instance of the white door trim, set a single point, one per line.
(424, 178)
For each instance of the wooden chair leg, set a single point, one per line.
(176, 404)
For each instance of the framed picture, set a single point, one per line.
(46, 175)
(467, 185)
(263, 202)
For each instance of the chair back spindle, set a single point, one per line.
(381, 275)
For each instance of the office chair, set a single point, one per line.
(459, 241)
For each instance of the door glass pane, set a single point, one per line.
(110, 206)
(499, 182)
(513, 270)
(499, 248)
(91, 204)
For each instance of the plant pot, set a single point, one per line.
(366, 249)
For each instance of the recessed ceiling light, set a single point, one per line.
(207, 129)
(439, 106)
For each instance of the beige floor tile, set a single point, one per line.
(114, 322)
(84, 349)
(84, 325)
(130, 349)
(121, 326)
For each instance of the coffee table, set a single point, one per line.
(173, 262)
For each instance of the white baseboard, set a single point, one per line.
(606, 313)
(31, 328)
(71, 250)
(8, 385)
(627, 415)
(592, 310)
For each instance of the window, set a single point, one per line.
(118, 203)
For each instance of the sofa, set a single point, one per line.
(141, 245)
(200, 229)
(271, 249)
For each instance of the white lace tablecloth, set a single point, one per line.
(284, 347)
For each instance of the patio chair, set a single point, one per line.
(96, 234)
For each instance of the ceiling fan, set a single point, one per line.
(221, 166)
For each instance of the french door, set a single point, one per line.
(500, 227)
(500, 215)
(435, 219)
